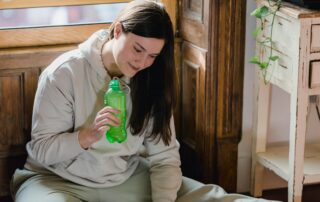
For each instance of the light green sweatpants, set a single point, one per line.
(28, 186)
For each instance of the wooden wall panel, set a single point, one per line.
(5, 177)
(194, 32)
(171, 7)
(11, 38)
(11, 115)
(17, 88)
(193, 9)
(190, 82)
(189, 113)
(194, 22)
(192, 109)
(19, 73)
(30, 57)
(217, 29)
(228, 71)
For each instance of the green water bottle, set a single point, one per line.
(116, 98)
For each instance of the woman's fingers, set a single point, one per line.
(107, 117)
(109, 120)
(102, 130)
(108, 109)
(104, 119)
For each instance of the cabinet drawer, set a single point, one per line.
(315, 38)
(281, 71)
(285, 34)
(315, 74)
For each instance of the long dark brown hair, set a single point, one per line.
(153, 90)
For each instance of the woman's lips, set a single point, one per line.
(133, 67)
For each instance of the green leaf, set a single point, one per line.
(255, 60)
(260, 12)
(256, 31)
(264, 65)
(274, 58)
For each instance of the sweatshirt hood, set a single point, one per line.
(92, 49)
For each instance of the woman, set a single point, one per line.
(69, 159)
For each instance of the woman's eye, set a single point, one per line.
(137, 50)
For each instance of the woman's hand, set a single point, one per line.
(104, 119)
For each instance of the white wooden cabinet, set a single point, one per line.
(296, 36)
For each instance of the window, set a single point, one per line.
(59, 16)
(30, 23)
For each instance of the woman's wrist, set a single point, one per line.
(82, 138)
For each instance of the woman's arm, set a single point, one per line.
(52, 138)
(165, 172)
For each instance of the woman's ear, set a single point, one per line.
(117, 30)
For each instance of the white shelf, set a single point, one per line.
(276, 158)
(297, 43)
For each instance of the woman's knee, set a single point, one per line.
(192, 190)
(37, 187)
(30, 195)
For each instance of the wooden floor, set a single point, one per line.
(311, 193)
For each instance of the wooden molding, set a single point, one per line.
(224, 92)
(172, 9)
(47, 35)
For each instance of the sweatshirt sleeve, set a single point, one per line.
(165, 172)
(52, 138)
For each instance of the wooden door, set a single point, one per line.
(211, 75)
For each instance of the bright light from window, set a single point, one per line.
(58, 16)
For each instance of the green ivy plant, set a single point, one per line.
(261, 13)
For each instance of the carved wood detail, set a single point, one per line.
(219, 93)
(194, 22)
(190, 79)
(11, 115)
(225, 86)
(193, 9)
(192, 106)
(17, 88)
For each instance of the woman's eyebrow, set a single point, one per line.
(140, 46)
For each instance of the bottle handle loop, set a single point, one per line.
(124, 86)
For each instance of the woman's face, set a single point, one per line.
(133, 53)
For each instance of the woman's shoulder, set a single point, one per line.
(69, 62)
(63, 71)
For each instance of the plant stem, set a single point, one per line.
(277, 4)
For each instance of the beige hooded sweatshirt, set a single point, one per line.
(70, 93)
